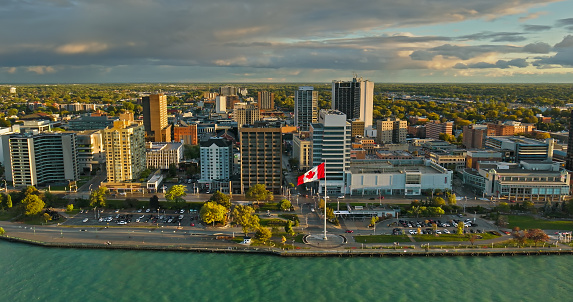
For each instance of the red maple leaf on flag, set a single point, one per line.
(310, 174)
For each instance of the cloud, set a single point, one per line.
(532, 16)
(539, 47)
(503, 64)
(529, 27)
(563, 57)
(106, 37)
(495, 36)
(564, 22)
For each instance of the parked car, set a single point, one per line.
(349, 231)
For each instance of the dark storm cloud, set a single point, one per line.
(539, 47)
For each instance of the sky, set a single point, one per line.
(384, 41)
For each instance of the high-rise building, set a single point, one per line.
(355, 99)
(569, 161)
(305, 107)
(391, 131)
(125, 151)
(221, 104)
(40, 159)
(91, 153)
(474, 136)
(261, 156)
(301, 150)
(266, 100)
(186, 134)
(216, 156)
(357, 128)
(246, 113)
(331, 142)
(157, 128)
(228, 90)
(433, 130)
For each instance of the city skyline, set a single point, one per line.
(64, 41)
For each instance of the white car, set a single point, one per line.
(85, 220)
(438, 232)
(446, 231)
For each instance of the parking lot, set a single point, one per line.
(135, 218)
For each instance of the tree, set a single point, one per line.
(70, 207)
(472, 238)
(503, 207)
(285, 205)
(246, 218)
(47, 217)
(212, 212)
(259, 192)
(191, 151)
(33, 205)
(536, 235)
(98, 197)
(439, 201)
(460, 229)
(2, 232)
(172, 170)
(452, 199)
(154, 202)
(501, 221)
(288, 228)
(175, 193)
(8, 201)
(222, 199)
(263, 234)
(374, 220)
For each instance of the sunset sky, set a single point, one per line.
(88, 41)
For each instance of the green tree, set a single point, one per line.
(439, 201)
(263, 234)
(503, 207)
(212, 212)
(98, 198)
(288, 228)
(246, 218)
(191, 151)
(47, 217)
(33, 205)
(172, 170)
(175, 193)
(285, 205)
(259, 192)
(154, 202)
(222, 199)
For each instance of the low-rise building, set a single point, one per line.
(162, 155)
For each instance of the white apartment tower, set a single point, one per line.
(355, 99)
(216, 160)
(305, 107)
(331, 142)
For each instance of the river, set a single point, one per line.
(31, 273)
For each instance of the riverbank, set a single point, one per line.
(187, 241)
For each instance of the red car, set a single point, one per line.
(349, 231)
(192, 224)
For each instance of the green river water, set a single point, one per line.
(30, 273)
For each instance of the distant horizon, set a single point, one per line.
(286, 83)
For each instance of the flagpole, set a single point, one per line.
(325, 195)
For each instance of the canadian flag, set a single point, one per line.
(313, 174)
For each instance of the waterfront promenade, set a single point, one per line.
(222, 241)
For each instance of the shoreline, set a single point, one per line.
(312, 252)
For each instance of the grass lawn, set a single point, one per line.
(292, 217)
(7, 215)
(269, 206)
(272, 222)
(450, 237)
(528, 222)
(38, 220)
(381, 238)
